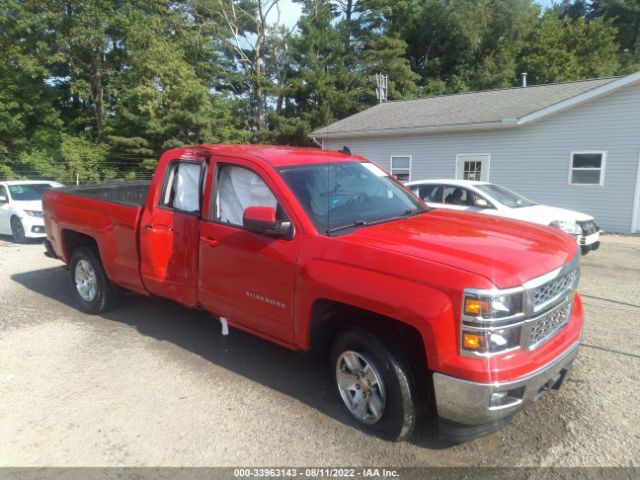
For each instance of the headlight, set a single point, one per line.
(492, 306)
(490, 322)
(34, 213)
(567, 226)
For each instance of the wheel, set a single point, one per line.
(95, 293)
(17, 230)
(375, 384)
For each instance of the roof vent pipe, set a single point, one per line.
(524, 79)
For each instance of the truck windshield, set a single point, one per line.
(506, 197)
(338, 196)
(28, 192)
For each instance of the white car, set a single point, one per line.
(21, 208)
(491, 199)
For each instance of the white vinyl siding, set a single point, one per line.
(401, 167)
(587, 168)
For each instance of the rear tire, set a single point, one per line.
(93, 290)
(375, 384)
(17, 230)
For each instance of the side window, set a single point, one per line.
(431, 193)
(182, 187)
(587, 168)
(401, 168)
(457, 196)
(238, 188)
(3, 193)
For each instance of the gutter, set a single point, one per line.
(505, 123)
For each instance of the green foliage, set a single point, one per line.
(96, 89)
(561, 49)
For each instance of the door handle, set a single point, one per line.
(159, 228)
(210, 241)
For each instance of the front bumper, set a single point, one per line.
(589, 240)
(33, 227)
(472, 404)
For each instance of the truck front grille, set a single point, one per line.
(549, 324)
(555, 288)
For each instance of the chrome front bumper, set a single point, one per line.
(472, 403)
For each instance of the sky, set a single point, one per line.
(290, 12)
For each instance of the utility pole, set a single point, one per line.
(382, 87)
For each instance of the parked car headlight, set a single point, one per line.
(490, 322)
(567, 226)
(34, 213)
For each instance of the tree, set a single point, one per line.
(243, 26)
(624, 15)
(560, 49)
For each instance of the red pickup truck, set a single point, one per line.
(420, 310)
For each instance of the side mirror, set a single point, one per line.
(481, 203)
(3, 199)
(262, 220)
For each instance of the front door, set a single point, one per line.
(169, 234)
(473, 167)
(245, 276)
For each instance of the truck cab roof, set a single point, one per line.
(276, 156)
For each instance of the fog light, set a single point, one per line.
(471, 341)
(507, 398)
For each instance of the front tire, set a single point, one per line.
(17, 230)
(93, 290)
(375, 384)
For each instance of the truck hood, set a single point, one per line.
(544, 214)
(507, 252)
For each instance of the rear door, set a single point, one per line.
(169, 234)
(245, 276)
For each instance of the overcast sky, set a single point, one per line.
(290, 12)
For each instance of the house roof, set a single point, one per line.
(487, 109)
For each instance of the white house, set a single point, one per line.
(574, 145)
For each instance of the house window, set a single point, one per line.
(473, 167)
(401, 168)
(587, 168)
(472, 170)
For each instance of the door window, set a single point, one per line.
(239, 188)
(430, 193)
(182, 187)
(472, 170)
(473, 167)
(461, 196)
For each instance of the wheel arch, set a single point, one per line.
(72, 239)
(330, 317)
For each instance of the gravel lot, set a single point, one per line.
(154, 384)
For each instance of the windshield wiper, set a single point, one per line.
(366, 223)
(357, 223)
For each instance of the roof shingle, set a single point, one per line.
(484, 107)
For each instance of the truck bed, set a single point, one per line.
(110, 214)
(132, 194)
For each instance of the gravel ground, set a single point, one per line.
(154, 384)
